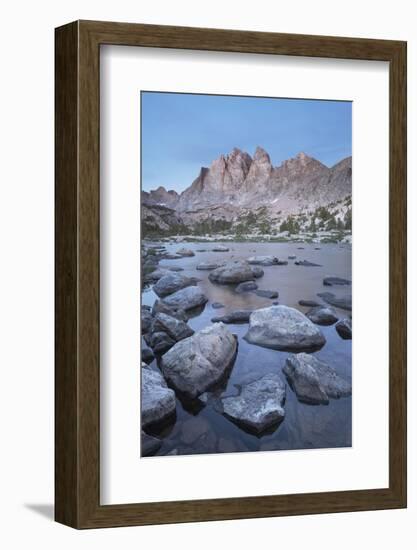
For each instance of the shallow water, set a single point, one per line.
(304, 426)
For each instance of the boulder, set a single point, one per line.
(322, 315)
(186, 298)
(158, 401)
(149, 444)
(239, 316)
(200, 361)
(220, 248)
(147, 355)
(330, 281)
(176, 329)
(185, 252)
(247, 286)
(146, 320)
(260, 404)
(344, 329)
(272, 294)
(155, 275)
(217, 305)
(233, 273)
(342, 302)
(314, 381)
(306, 263)
(160, 307)
(172, 256)
(283, 328)
(257, 271)
(170, 283)
(159, 341)
(265, 260)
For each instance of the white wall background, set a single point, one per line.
(26, 289)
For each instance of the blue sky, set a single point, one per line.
(182, 132)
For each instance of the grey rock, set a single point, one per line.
(158, 401)
(217, 305)
(176, 329)
(306, 263)
(272, 294)
(330, 281)
(246, 286)
(185, 252)
(260, 404)
(314, 381)
(160, 342)
(220, 248)
(149, 444)
(198, 362)
(342, 302)
(206, 266)
(238, 316)
(146, 320)
(155, 275)
(175, 268)
(232, 273)
(172, 256)
(322, 315)
(147, 355)
(344, 329)
(160, 307)
(292, 257)
(285, 329)
(186, 298)
(257, 271)
(309, 303)
(265, 260)
(170, 283)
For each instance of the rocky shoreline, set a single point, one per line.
(192, 366)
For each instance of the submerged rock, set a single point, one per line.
(239, 316)
(283, 328)
(314, 381)
(186, 298)
(306, 263)
(330, 281)
(217, 305)
(309, 303)
(170, 283)
(292, 257)
(233, 272)
(342, 302)
(344, 329)
(207, 266)
(272, 294)
(322, 315)
(198, 362)
(247, 286)
(158, 401)
(260, 404)
(185, 252)
(149, 444)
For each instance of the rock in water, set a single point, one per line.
(239, 316)
(220, 248)
(206, 266)
(160, 307)
(342, 302)
(257, 271)
(159, 341)
(271, 294)
(285, 329)
(185, 252)
(330, 281)
(176, 329)
(265, 260)
(344, 329)
(306, 263)
(170, 283)
(198, 362)
(322, 315)
(309, 303)
(149, 444)
(246, 287)
(186, 298)
(217, 305)
(233, 272)
(158, 401)
(314, 381)
(260, 404)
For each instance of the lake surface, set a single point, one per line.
(204, 430)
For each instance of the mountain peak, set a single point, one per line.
(261, 155)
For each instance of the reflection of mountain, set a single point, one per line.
(237, 186)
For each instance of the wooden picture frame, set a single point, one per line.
(77, 382)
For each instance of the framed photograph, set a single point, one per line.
(230, 209)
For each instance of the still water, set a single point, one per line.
(203, 429)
